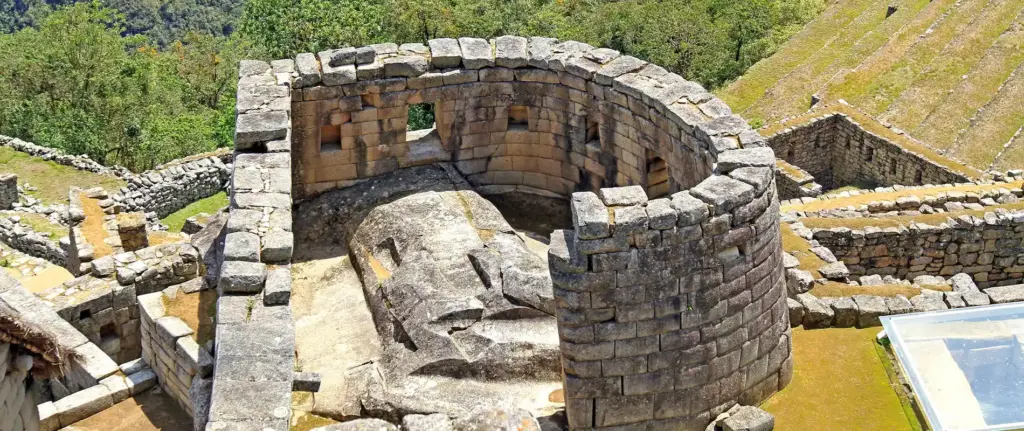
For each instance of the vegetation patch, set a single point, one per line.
(901, 221)
(197, 310)
(210, 205)
(801, 250)
(839, 383)
(834, 289)
(43, 225)
(866, 198)
(52, 180)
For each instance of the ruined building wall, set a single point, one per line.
(990, 249)
(837, 152)
(670, 310)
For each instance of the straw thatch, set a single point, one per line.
(50, 357)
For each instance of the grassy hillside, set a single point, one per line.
(948, 72)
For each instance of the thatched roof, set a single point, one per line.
(51, 358)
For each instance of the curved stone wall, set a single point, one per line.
(669, 289)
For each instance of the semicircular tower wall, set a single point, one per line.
(670, 297)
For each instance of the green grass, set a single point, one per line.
(887, 358)
(51, 179)
(887, 87)
(858, 40)
(956, 60)
(43, 225)
(995, 126)
(954, 113)
(839, 383)
(1013, 158)
(209, 205)
(742, 94)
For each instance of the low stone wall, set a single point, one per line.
(82, 162)
(169, 346)
(32, 243)
(837, 151)
(989, 248)
(941, 200)
(173, 188)
(8, 190)
(16, 401)
(793, 182)
(102, 310)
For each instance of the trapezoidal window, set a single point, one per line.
(893, 166)
(330, 138)
(421, 116)
(518, 117)
(657, 176)
(869, 154)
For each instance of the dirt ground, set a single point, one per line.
(334, 331)
(152, 410)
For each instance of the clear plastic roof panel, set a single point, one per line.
(966, 366)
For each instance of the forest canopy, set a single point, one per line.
(139, 83)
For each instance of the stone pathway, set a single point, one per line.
(152, 410)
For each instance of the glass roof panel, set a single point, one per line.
(966, 366)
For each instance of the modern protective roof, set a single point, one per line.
(966, 366)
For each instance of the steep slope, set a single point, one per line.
(943, 71)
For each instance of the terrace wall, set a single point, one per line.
(169, 347)
(837, 152)
(989, 248)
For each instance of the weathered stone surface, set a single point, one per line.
(360, 425)
(339, 75)
(834, 271)
(869, 309)
(309, 70)
(405, 66)
(974, 299)
(691, 210)
(963, 283)
(798, 281)
(819, 314)
(749, 418)
(590, 216)
(490, 418)
(277, 247)
(723, 193)
(445, 53)
(796, 312)
(845, 310)
(434, 422)
(510, 51)
(899, 304)
(929, 302)
(476, 53)
(242, 277)
(745, 158)
(278, 287)
(621, 196)
(1005, 294)
(260, 126)
(454, 291)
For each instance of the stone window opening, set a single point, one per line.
(893, 165)
(330, 138)
(790, 153)
(421, 117)
(84, 314)
(107, 331)
(518, 117)
(657, 176)
(849, 142)
(593, 130)
(869, 154)
(919, 176)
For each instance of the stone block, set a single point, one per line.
(690, 210)
(728, 161)
(819, 314)
(623, 196)
(511, 51)
(83, 404)
(590, 216)
(748, 418)
(278, 289)
(796, 312)
(277, 247)
(869, 309)
(1005, 294)
(306, 382)
(242, 277)
(118, 388)
(405, 66)
(49, 420)
(308, 69)
(432, 422)
(723, 193)
(242, 246)
(445, 53)
(257, 127)
(899, 304)
(476, 53)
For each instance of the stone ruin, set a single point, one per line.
(8, 190)
(662, 305)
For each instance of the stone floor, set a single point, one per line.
(152, 410)
(35, 274)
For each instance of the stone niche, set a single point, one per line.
(667, 291)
